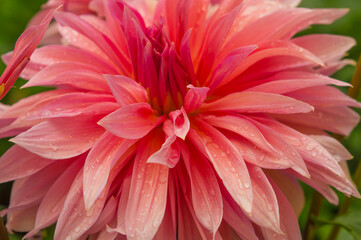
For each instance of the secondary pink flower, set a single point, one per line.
(185, 119)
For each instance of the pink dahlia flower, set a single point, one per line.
(177, 119)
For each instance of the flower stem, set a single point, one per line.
(316, 205)
(346, 204)
(3, 233)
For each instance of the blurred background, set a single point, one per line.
(14, 15)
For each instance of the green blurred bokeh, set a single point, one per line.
(14, 15)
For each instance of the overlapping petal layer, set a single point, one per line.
(174, 119)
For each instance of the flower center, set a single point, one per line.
(160, 70)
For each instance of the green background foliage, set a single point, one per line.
(14, 15)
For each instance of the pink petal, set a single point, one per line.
(168, 155)
(132, 121)
(22, 219)
(24, 105)
(319, 186)
(60, 138)
(251, 102)
(74, 74)
(100, 39)
(291, 188)
(325, 46)
(265, 206)
(52, 54)
(341, 183)
(241, 126)
(214, 41)
(148, 193)
(24, 47)
(166, 230)
(126, 90)
(30, 190)
(105, 217)
(324, 96)
(283, 24)
(103, 155)
(74, 220)
(285, 82)
(181, 123)
(227, 162)
(273, 50)
(75, 104)
(289, 221)
(310, 149)
(187, 227)
(234, 216)
(228, 64)
(206, 195)
(284, 148)
(334, 147)
(195, 97)
(184, 187)
(53, 201)
(18, 163)
(341, 120)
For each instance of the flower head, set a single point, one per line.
(178, 119)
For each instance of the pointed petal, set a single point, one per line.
(18, 163)
(77, 75)
(24, 47)
(284, 148)
(334, 147)
(252, 102)
(148, 193)
(74, 220)
(241, 126)
(339, 119)
(206, 195)
(101, 40)
(228, 64)
(30, 190)
(132, 121)
(285, 82)
(60, 138)
(291, 188)
(289, 222)
(326, 46)
(265, 206)
(75, 104)
(234, 216)
(106, 216)
(126, 90)
(319, 186)
(310, 149)
(227, 161)
(103, 155)
(53, 201)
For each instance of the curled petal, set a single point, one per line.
(181, 123)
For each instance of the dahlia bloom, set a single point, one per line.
(176, 119)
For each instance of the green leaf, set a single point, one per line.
(350, 222)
